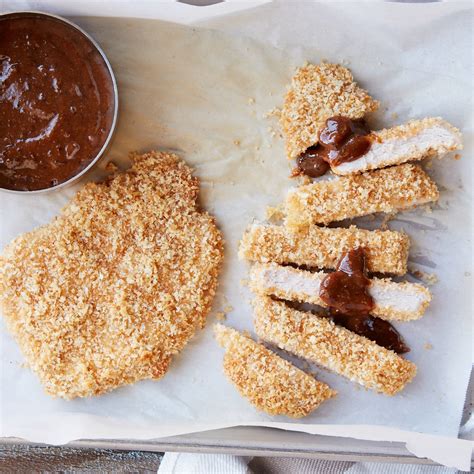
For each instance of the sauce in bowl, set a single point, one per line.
(57, 102)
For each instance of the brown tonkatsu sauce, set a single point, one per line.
(56, 102)
(340, 140)
(346, 292)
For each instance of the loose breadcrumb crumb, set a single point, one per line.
(115, 285)
(386, 220)
(274, 213)
(275, 112)
(269, 382)
(428, 346)
(111, 167)
(429, 278)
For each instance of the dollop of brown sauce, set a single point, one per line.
(346, 292)
(339, 141)
(311, 163)
(56, 102)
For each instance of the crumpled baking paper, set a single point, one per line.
(206, 94)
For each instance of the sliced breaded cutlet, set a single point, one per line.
(321, 247)
(318, 92)
(115, 285)
(335, 348)
(415, 140)
(269, 382)
(393, 301)
(387, 190)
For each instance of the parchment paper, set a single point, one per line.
(205, 94)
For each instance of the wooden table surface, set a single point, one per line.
(28, 459)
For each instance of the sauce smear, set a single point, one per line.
(340, 140)
(56, 102)
(346, 292)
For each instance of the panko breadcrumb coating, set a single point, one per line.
(387, 190)
(415, 140)
(115, 285)
(322, 247)
(318, 92)
(319, 340)
(392, 301)
(269, 382)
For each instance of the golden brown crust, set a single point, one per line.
(269, 382)
(319, 340)
(318, 92)
(104, 294)
(387, 190)
(392, 301)
(322, 247)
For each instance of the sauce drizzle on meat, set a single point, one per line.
(346, 293)
(340, 140)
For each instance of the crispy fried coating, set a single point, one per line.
(108, 291)
(387, 190)
(322, 247)
(319, 340)
(318, 92)
(269, 382)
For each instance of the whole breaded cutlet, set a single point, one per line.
(115, 285)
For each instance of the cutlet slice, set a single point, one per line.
(412, 141)
(387, 190)
(321, 247)
(109, 290)
(333, 347)
(318, 92)
(269, 382)
(393, 301)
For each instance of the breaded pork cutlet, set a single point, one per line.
(415, 140)
(318, 92)
(387, 190)
(108, 291)
(319, 340)
(321, 247)
(269, 382)
(392, 301)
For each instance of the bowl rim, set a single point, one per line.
(113, 125)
